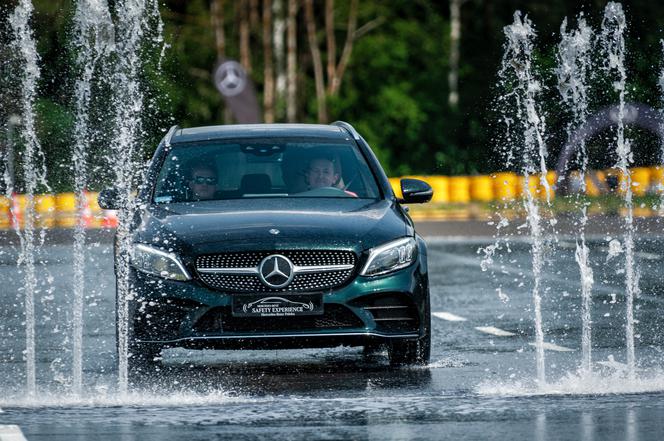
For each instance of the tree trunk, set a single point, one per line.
(338, 73)
(268, 83)
(245, 51)
(217, 18)
(278, 34)
(291, 70)
(455, 36)
(316, 58)
(253, 15)
(331, 40)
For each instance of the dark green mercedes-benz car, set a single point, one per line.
(275, 236)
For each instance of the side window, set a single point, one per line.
(171, 183)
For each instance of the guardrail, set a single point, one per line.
(60, 210)
(56, 211)
(508, 186)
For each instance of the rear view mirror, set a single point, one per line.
(415, 191)
(109, 199)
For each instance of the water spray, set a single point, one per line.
(34, 174)
(93, 41)
(612, 40)
(573, 72)
(528, 137)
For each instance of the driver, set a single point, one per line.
(321, 173)
(202, 181)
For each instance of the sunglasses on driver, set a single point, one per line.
(207, 180)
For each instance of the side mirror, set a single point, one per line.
(109, 199)
(415, 191)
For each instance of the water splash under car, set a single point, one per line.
(273, 236)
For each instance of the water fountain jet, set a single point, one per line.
(93, 42)
(612, 40)
(133, 26)
(33, 172)
(528, 137)
(573, 70)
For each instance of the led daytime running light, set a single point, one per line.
(394, 255)
(146, 259)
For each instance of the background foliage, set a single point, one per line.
(394, 91)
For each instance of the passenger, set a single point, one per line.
(202, 181)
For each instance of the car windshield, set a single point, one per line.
(259, 168)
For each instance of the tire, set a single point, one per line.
(371, 349)
(410, 352)
(143, 357)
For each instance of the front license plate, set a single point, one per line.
(277, 305)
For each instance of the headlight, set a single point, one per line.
(390, 257)
(160, 263)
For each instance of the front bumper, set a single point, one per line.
(365, 311)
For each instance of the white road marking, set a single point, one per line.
(553, 347)
(647, 256)
(494, 331)
(568, 245)
(641, 254)
(448, 316)
(11, 433)
(613, 364)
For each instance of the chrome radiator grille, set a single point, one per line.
(238, 272)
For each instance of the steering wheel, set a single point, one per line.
(324, 192)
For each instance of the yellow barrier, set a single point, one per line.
(529, 183)
(534, 184)
(657, 180)
(45, 209)
(396, 186)
(506, 186)
(640, 180)
(65, 204)
(552, 179)
(19, 205)
(481, 188)
(96, 213)
(591, 187)
(5, 213)
(441, 188)
(459, 189)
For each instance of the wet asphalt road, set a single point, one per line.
(479, 385)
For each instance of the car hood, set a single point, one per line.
(233, 225)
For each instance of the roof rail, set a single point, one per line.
(350, 129)
(170, 134)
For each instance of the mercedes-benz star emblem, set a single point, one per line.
(274, 231)
(276, 271)
(230, 78)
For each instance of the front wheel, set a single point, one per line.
(409, 352)
(417, 351)
(142, 359)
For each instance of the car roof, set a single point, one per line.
(210, 133)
